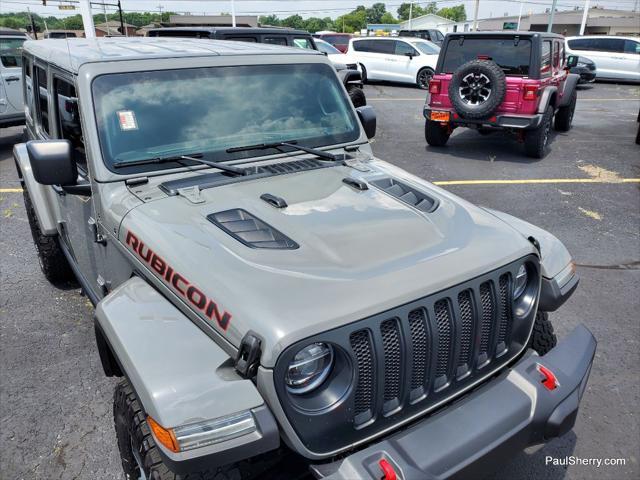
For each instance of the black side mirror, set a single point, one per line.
(409, 54)
(52, 162)
(572, 61)
(367, 116)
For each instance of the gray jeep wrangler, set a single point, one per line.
(267, 288)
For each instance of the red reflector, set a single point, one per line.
(387, 470)
(493, 119)
(549, 381)
(434, 86)
(455, 115)
(484, 57)
(530, 92)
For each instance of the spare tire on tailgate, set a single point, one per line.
(477, 88)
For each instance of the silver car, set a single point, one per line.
(616, 58)
(11, 104)
(264, 285)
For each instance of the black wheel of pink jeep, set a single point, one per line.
(536, 141)
(436, 134)
(564, 117)
(477, 89)
(423, 78)
(53, 263)
(543, 339)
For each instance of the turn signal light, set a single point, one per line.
(530, 92)
(163, 435)
(434, 86)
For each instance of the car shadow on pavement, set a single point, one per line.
(8, 139)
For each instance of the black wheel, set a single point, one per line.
(53, 263)
(536, 142)
(364, 73)
(542, 337)
(435, 134)
(477, 88)
(357, 96)
(564, 117)
(423, 78)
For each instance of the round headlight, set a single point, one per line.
(309, 368)
(520, 282)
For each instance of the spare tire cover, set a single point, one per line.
(477, 88)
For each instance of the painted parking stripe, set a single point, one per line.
(10, 190)
(536, 181)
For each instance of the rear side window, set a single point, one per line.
(42, 104)
(68, 118)
(513, 59)
(631, 46)
(303, 43)
(243, 39)
(11, 52)
(276, 40)
(545, 59)
(403, 48)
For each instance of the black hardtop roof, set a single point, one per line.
(244, 30)
(502, 33)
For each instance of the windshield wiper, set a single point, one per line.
(196, 157)
(292, 144)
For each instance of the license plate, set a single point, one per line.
(440, 116)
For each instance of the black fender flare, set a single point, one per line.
(350, 77)
(545, 99)
(569, 86)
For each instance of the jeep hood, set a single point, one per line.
(359, 252)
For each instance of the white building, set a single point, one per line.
(432, 21)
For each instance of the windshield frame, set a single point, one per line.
(236, 158)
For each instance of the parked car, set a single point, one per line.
(336, 56)
(11, 103)
(616, 58)
(433, 35)
(338, 40)
(408, 60)
(586, 68)
(60, 34)
(263, 284)
(516, 82)
(348, 72)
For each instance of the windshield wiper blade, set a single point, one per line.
(292, 144)
(196, 157)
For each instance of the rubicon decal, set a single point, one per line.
(180, 284)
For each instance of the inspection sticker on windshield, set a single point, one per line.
(127, 120)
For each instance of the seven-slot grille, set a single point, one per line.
(397, 365)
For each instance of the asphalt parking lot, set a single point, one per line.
(55, 403)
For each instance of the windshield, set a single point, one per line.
(427, 48)
(161, 113)
(513, 59)
(325, 47)
(11, 51)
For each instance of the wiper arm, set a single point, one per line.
(196, 157)
(292, 144)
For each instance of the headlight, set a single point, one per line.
(309, 368)
(520, 282)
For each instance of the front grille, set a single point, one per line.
(412, 358)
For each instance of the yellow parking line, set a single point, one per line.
(536, 181)
(10, 190)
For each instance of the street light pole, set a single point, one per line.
(551, 14)
(520, 15)
(233, 13)
(87, 19)
(410, 13)
(585, 15)
(475, 16)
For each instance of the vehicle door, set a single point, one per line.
(558, 73)
(596, 50)
(363, 51)
(405, 62)
(11, 75)
(630, 60)
(383, 53)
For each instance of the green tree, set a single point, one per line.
(388, 18)
(272, 20)
(294, 21)
(457, 13)
(417, 11)
(375, 13)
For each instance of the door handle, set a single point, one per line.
(12, 79)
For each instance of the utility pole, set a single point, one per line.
(124, 31)
(87, 19)
(33, 25)
(551, 15)
(585, 15)
(233, 13)
(160, 10)
(106, 20)
(520, 15)
(475, 16)
(410, 13)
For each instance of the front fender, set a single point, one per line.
(40, 197)
(180, 375)
(559, 279)
(570, 84)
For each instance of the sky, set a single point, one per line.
(310, 8)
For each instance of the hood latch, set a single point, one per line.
(248, 358)
(192, 194)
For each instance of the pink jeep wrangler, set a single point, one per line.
(489, 81)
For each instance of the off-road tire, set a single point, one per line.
(542, 338)
(497, 81)
(564, 116)
(363, 73)
(423, 77)
(435, 134)
(357, 96)
(536, 141)
(53, 263)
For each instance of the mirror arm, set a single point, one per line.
(83, 189)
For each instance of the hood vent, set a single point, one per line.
(251, 231)
(407, 194)
(290, 167)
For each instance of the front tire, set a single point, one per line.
(53, 263)
(436, 134)
(536, 142)
(564, 117)
(543, 339)
(423, 78)
(357, 97)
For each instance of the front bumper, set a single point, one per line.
(525, 122)
(511, 412)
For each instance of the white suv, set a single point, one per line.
(11, 104)
(616, 58)
(408, 60)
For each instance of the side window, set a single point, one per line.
(68, 118)
(403, 48)
(439, 35)
(28, 85)
(42, 104)
(631, 46)
(362, 46)
(303, 43)
(562, 54)
(545, 59)
(387, 47)
(556, 56)
(242, 39)
(276, 40)
(580, 44)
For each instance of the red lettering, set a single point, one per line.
(145, 256)
(192, 293)
(158, 264)
(176, 280)
(222, 319)
(132, 240)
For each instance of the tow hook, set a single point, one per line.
(549, 380)
(388, 473)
